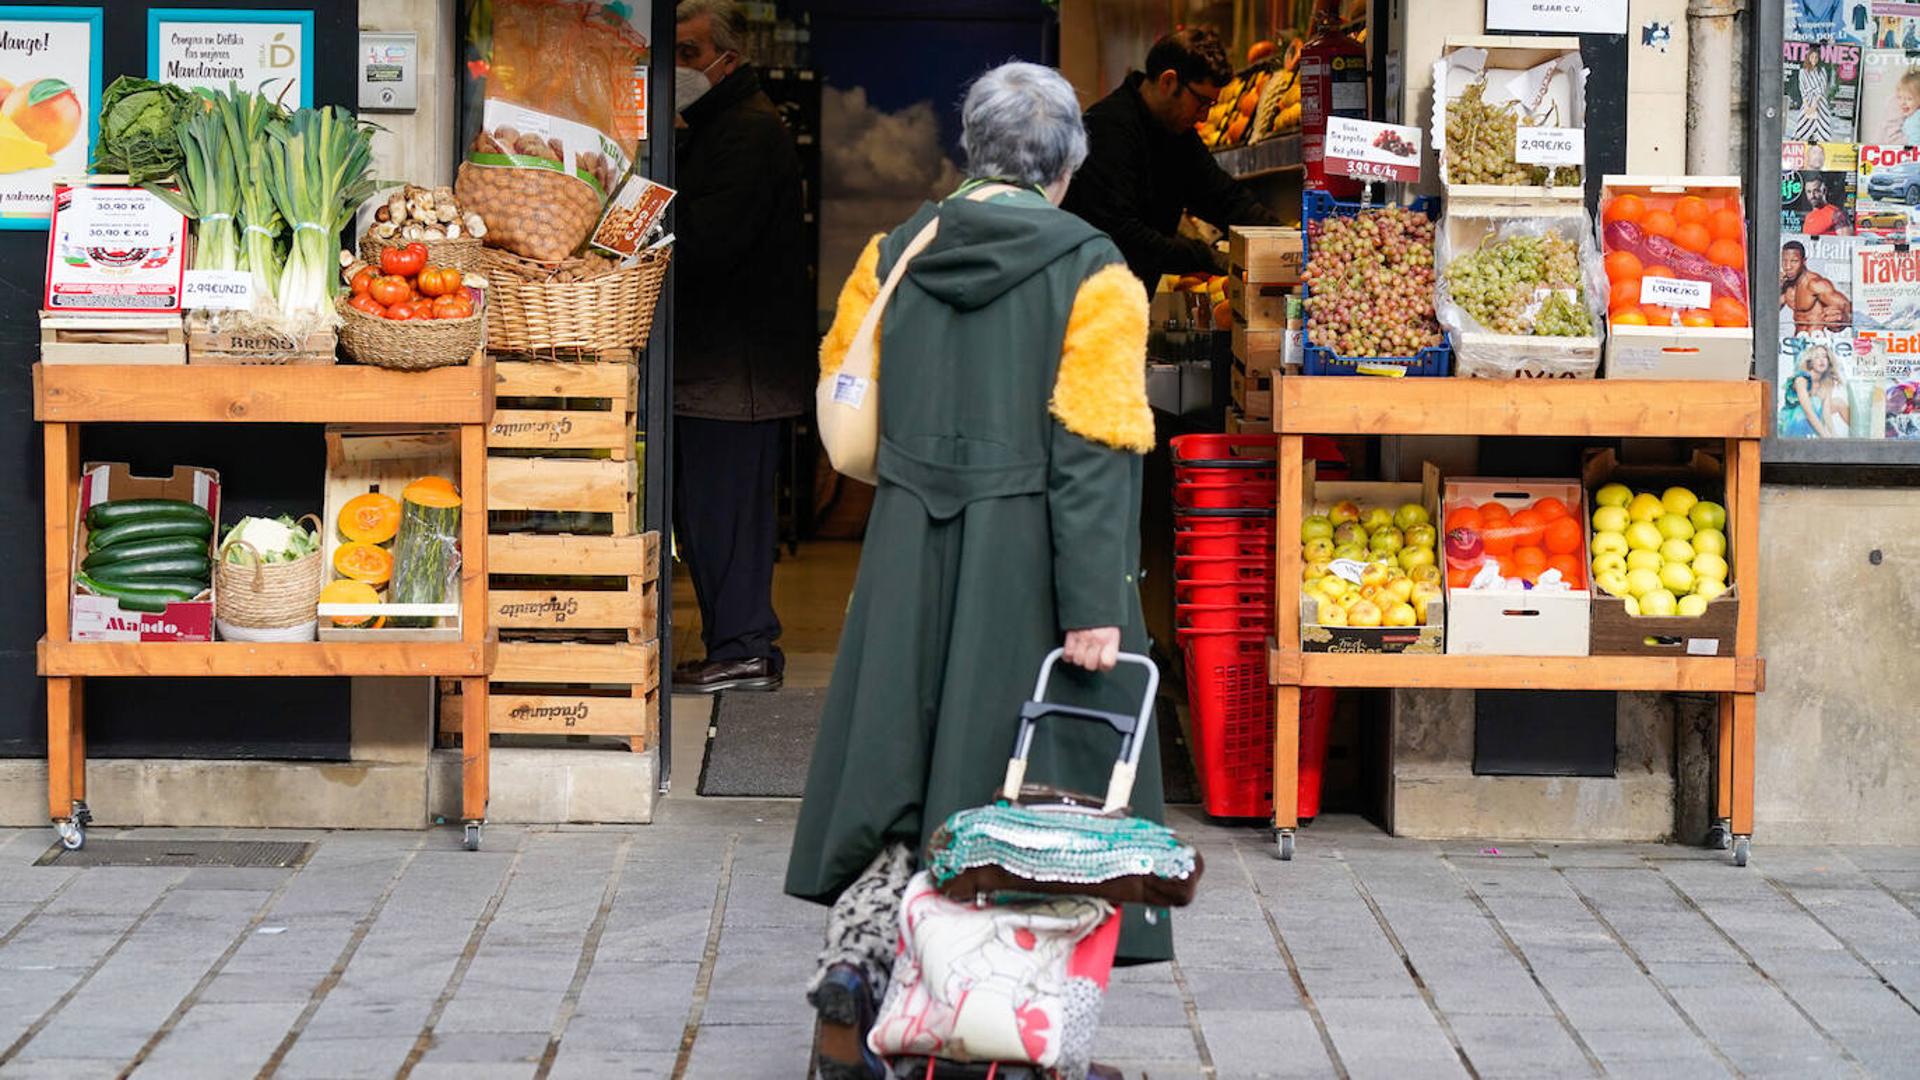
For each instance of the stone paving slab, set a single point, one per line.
(669, 951)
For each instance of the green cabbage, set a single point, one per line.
(140, 129)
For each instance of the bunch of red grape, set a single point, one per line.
(1371, 282)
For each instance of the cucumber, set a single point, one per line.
(100, 539)
(133, 571)
(144, 549)
(150, 597)
(186, 584)
(108, 514)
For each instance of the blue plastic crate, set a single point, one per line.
(1321, 360)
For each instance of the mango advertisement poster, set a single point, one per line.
(49, 92)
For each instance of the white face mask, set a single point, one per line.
(692, 84)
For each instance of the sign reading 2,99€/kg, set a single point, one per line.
(1366, 150)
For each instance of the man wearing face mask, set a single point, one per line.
(743, 342)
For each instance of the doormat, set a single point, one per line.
(761, 743)
(267, 854)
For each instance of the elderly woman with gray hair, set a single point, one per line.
(1013, 417)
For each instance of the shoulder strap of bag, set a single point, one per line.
(864, 351)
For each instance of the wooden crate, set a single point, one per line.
(1258, 350)
(1507, 53)
(72, 338)
(212, 342)
(562, 441)
(360, 461)
(1253, 392)
(1260, 307)
(1268, 254)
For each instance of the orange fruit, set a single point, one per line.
(1725, 224)
(1661, 270)
(1627, 315)
(1657, 315)
(1465, 517)
(1459, 577)
(1494, 513)
(1563, 537)
(1691, 210)
(1728, 312)
(1624, 293)
(1693, 236)
(1552, 509)
(1659, 223)
(1622, 265)
(1529, 562)
(1570, 569)
(1498, 541)
(1623, 208)
(1696, 317)
(1728, 253)
(1531, 526)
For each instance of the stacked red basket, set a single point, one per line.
(1224, 547)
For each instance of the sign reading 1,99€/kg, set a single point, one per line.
(1366, 150)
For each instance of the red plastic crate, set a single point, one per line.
(1232, 714)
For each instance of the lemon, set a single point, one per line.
(1711, 541)
(1692, 607)
(1645, 507)
(1678, 500)
(1677, 551)
(1674, 527)
(1613, 495)
(1644, 536)
(1659, 603)
(1611, 519)
(1708, 588)
(1711, 567)
(1677, 577)
(1642, 582)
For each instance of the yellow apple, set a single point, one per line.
(1355, 552)
(1424, 594)
(1642, 582)
(1401, 589)
(1674, 527)
(1332, 615)
(1317, 569)
(1678, 500)
(1614, 582)
(1611, 561)
(1375, 574)
(1644, 560)
(1402, 615)
(1610, 543)
(1364, 613)
(1611, 519)
(1376, 518)
(1319, 549)
(1710, 542)
(1677, 577)
(1351, 598)
(1344, 511)
(1677, 551)
(1644, 536)
(1412, 558)
(1659, 603)
(1331, 588)
(1645, 507)
(1710, 567)
(1411, 514)
(1633, 606)
(1691, 607)
(1428, 574)
(1707, 588)
(1708, 515)
(1613, 495)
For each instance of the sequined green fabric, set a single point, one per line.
(1057, 844)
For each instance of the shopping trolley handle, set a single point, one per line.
(1132, 730)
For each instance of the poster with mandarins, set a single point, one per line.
(49, 95)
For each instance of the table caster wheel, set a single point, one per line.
(1719, 836)
(73, 834)
(472, 840)
(1741, 846)
(1286, 845)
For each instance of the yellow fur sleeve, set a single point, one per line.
(1101, 391)
(856, 296)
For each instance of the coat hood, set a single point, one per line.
(985, 249)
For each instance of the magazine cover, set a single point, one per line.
(1816, 283)
(1816, 188)
(1895, 24)
(1884, 387)
(1821, 83)
(1890, 97)
(1830, 20)
(1816, 394)
(1886, 287)
(1886, 190)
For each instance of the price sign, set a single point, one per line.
(217, 290)
(1672, 292)
(1550, 146)
(1371, 151)
(1558, 16)
(114, 249)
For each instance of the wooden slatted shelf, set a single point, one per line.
(1590, 408)
(300, 394)
(110, 659)
(1689, 675)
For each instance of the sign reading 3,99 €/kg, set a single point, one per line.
(1366, 150)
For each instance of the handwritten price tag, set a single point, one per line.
(1372, 151)
(1672, 292)
(1550, 146)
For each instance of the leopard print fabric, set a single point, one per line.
(863, 928)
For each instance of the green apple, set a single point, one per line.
(1677, 551)
(1674, 527)
(1710, 567)
(1633, 606)
(1610, 561)
(1355, 552)
(1411, 514)
(1412, 558)
(1611, 519)
(1386, 541)
(1613, 495)
(1610, 543)
(1644, 536)
(1319, 568)
(1707, 588)
(1678, 500)
(1659, 603)
(1421, 534)
(1677, 577)
(1642, 559)
(1344, 511)
(1645, 507)
(1376, 518)
(1318, 549)
(1614, 582)
(1349, 532)
(1642, 582)
(1692, 607)
(1711, 541)
(1708, 515)
(1317, 527)
(1428, 574)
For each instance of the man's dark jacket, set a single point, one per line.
(743, 328)
(1138, 179)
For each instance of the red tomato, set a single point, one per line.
(389, 290)
(421, 308)
(362, 280)
(399, 312)
(367, 304)
(404, 261)
(452, 307)
(436, 281)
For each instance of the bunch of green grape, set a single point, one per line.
(1499, 282)
(1480, 137)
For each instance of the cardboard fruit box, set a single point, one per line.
(1616, 633)
(1489, 622)
(1715, 353)
(1314, 637)
(101, 618)
(1547, 71)
(1483, 354)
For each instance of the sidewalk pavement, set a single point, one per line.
(669, 951)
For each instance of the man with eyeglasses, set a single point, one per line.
(1146, 165)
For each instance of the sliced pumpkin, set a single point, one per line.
(372, 518)
(370, 563)
(346, 591)
(435, 491)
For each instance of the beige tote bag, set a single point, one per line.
(846, 407)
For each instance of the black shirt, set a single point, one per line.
(1139, 178)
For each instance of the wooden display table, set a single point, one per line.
(68, 395)
(1733, 411)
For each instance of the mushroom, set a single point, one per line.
(453, 230)
(476, 226)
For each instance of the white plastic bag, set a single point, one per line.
(1519, 351)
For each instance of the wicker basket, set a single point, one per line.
(463, 254)
(261, 595)
(409, 344)
(529, 311)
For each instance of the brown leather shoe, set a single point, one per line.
(713, 676)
